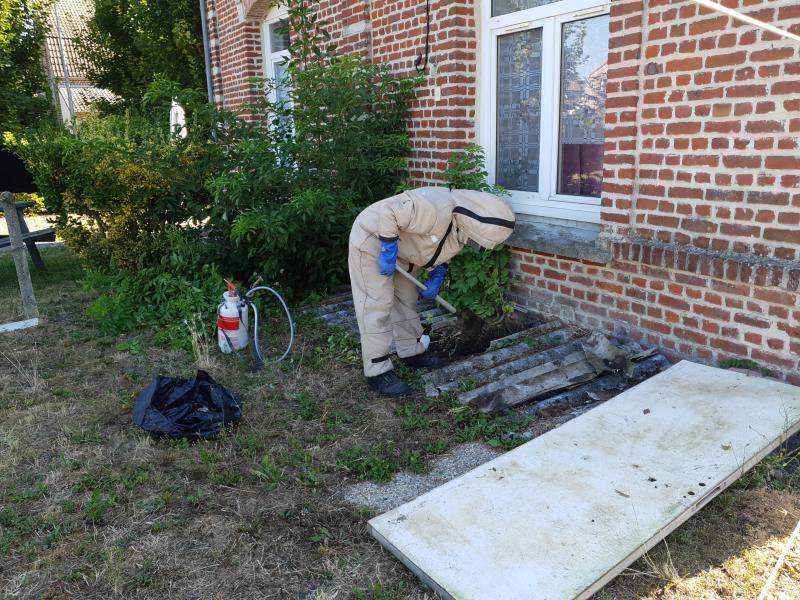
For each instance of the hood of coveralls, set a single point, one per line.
(482, 217)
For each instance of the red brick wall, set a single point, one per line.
(390, 31)
(701, 203)
(442, 125)
(714, 162)
(235, 45)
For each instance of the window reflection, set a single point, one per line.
(584, 71)
(278, 36)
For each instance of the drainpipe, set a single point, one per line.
(206, 50)
(49, 69)
(65, 69)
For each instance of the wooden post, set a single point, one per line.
(29, 306)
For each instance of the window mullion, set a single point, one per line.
(550, 91)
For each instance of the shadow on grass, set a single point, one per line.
(62, 265)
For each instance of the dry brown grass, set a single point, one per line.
(726, 551)
(180, 520)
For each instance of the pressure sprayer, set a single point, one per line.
(232, 321)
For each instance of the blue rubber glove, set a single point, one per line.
(387, 261)
(434, 283)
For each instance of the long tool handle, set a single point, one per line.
(442, 302)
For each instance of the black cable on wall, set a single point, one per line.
(421, 64)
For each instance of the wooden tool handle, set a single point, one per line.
(442, 302)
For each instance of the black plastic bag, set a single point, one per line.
(186, 408)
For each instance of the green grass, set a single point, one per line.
(61, 265)
(775, 471)
(134, 345)
(268, 471)
(308, 407)
(27, 534)
(377, 462)
(372, 592)
(413, 417)
(744, 363)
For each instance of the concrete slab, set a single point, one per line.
(562, 515)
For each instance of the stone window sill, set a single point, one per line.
(561, 240)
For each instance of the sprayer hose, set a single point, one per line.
(256, 348)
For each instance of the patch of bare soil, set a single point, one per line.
(449, 341)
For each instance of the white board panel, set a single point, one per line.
(563, 514)
(17, 325)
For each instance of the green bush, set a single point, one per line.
(157, 299)
(118, 185)
(337, 144)
(302, 243)
(159, 219)
(477, 279)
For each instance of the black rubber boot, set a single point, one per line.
(388, 384)
(426, 360)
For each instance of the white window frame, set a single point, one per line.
(550, 18)
(271, 59)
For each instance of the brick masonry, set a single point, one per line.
(701, 202)
(701, 193)
(389, 31)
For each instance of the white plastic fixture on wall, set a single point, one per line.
(747, 19)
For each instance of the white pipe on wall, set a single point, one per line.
(748, 19)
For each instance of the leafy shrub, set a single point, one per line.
(159, 218)
(477, 279)
(301, 242)
(161, 298)
(117, 185)
(466, 171)
(337, 144)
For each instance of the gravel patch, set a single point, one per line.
(404, 487)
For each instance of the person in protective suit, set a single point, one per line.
(421, 228)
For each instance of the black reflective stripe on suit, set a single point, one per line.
(490, 220)
(438, 248)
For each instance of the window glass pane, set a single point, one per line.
(519, 90)
(278, 39)
(503, 7)
(584, 71)
(280, 72)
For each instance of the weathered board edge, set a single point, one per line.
(18, 325)
(411, 565)
(688, 513)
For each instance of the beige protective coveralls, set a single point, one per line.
(432, 225)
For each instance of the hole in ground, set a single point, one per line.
(448, 341)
